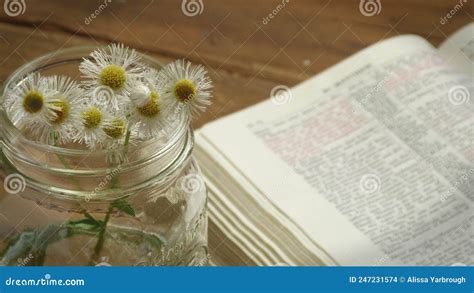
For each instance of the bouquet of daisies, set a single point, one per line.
(119, 100)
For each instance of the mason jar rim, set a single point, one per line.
(167, 154)
(41, 63)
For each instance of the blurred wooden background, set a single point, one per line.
(246, 55)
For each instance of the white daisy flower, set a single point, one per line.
(147, 109)
(93, 118)
(115, 128)
(27, 104)
(97, 126)
(188, 87)
(110, 72)
(120, 135)
(63, 110)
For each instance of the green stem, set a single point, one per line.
(114, 183)
(115, 180)
(100, 241)
(89, 216)
(127, 141)
(103, 225)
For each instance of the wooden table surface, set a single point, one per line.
(246, 54)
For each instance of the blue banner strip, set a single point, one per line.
(237, 279)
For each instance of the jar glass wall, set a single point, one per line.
(143, 204)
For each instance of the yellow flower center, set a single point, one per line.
(113, 76)
(33, 102)
(152, 108)
(61, 109)
(91, 118)
(115, 128)
(184, 90)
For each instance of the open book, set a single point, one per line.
(368, 163)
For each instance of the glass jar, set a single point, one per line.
(72, 206)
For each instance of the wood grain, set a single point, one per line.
(245, 55)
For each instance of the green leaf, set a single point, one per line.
(36, 242)
(123, 206)
(46, 236)
(19, 247)
(85, 224)
(51, 233)
(91, 219)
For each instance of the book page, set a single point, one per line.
(458, 49)
(253, 223)
(372, 158)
